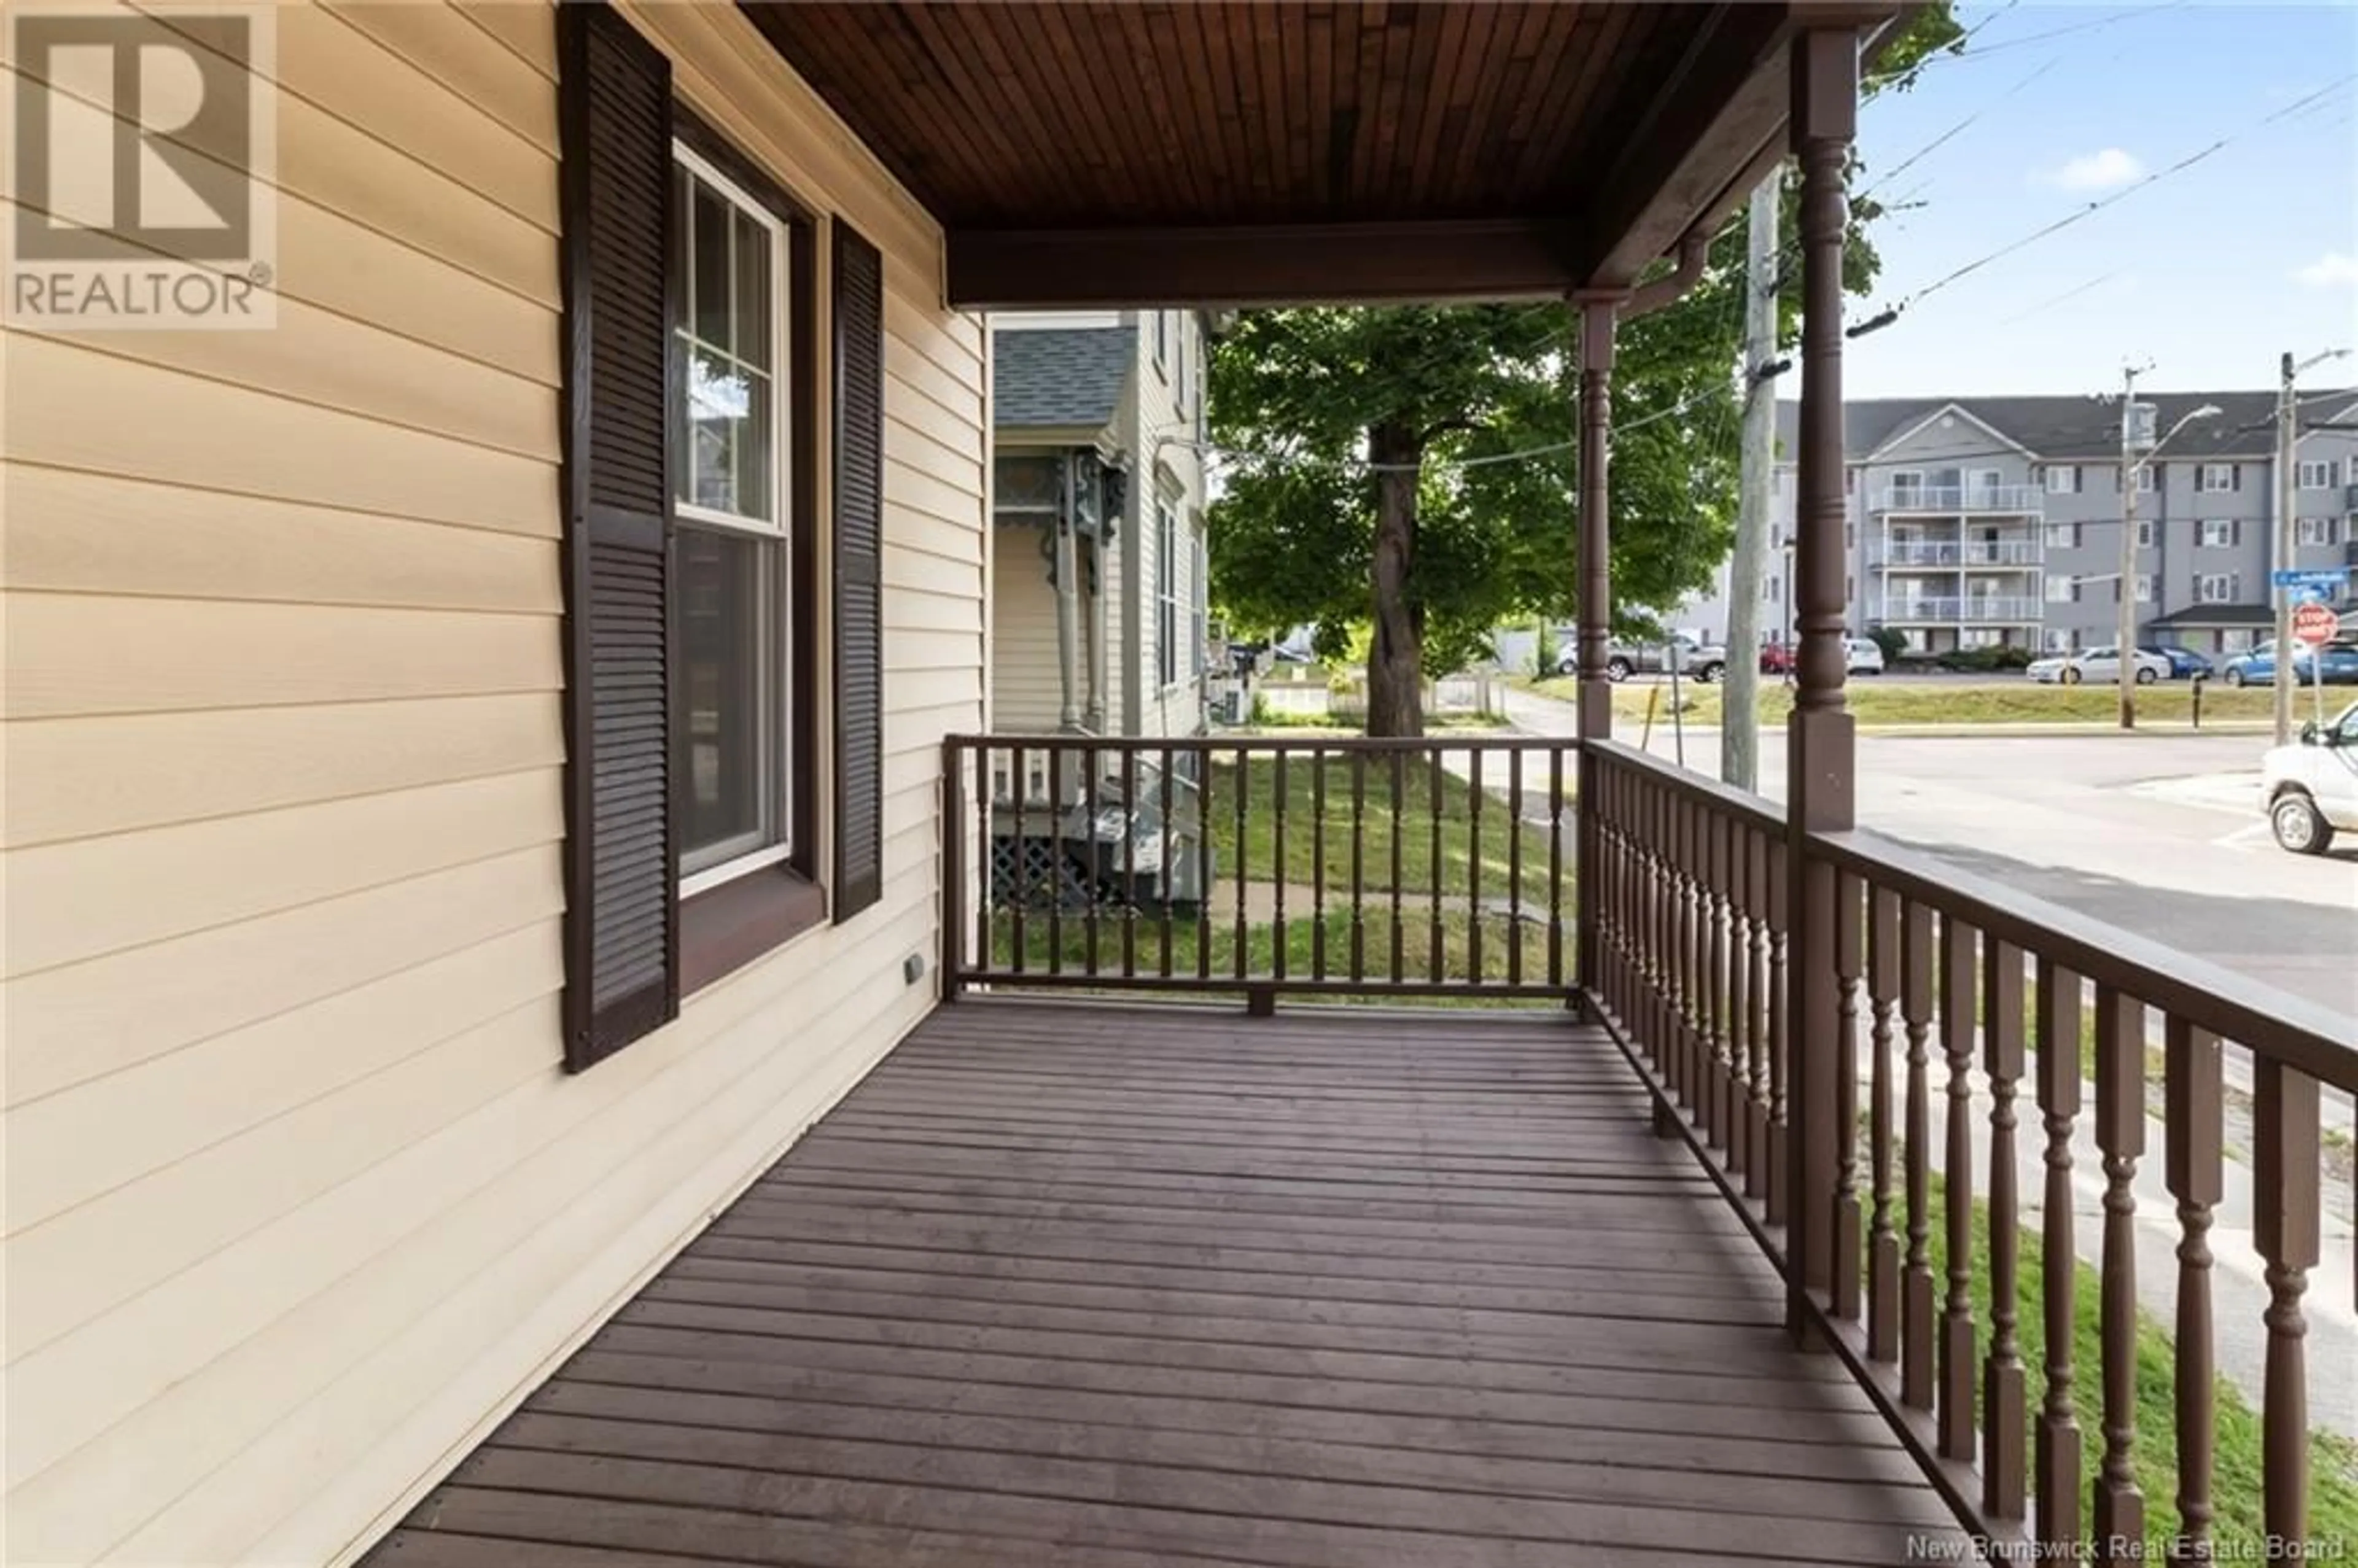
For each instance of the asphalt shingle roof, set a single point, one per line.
(1055, 376)
(2071, 426)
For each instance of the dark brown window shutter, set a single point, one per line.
(859, 573)
(622, 919)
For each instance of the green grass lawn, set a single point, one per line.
(1313, 946)
(2013, 701)
(2235, 1473)
(1411, 814)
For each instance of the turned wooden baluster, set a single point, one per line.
(1779, 1045)
(1358, 864)
(1849, 896)
(1020, 874)
(1514, 867)
(1683, 992)
(2057, 1440)
(1758, 1154)
(1740, 1051)
(1473, 860)
(1958, 942)
(2194, 1086)
(1916, 1291)
(1714, 977)
(2003, 1382)
(1882, 1230)
(2285, 1185)
(2120, 1134)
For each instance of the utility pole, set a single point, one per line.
(1739, 735)
(2281, 557)
(2127, 587)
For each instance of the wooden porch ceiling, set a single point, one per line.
(1152, 153)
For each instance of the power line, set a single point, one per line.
(1937, 142)
(2094, 25)
(2093, 208)
(2050, 304)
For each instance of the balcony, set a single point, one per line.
(1977, 553)
(1970, 609)
(2005, 500)
(1106, 1283)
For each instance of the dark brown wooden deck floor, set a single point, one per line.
(1072, 1287)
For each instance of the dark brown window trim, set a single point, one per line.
(724, 928)
(803, 569)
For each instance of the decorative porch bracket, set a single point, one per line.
(1820, 744)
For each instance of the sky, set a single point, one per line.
(2207, 275)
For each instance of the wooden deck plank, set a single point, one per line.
(1102, 1287)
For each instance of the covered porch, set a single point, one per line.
(1645, 1275)
(1109, 1285)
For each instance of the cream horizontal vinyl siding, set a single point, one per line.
(1026, 691)
(298, 1198)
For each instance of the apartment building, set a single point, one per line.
(1985, 521)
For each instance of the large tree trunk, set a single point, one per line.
(1396, 657)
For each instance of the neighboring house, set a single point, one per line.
(1099, 557)
(1996, 520)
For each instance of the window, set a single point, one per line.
(1166, 596)
(2062, 478)
(731, 536)
(692, 327)
(2317, 531)
(2215, 478)
(2062, 535)
(2145, 532)
(2215, 588)
(2232, 642)
(1179, 384)
(1980, 637)
(2316, 475)
(1161, 339)
(1771, 588)
(1199, 593)
(2145, 587)
(1986, 484)
(1907, 486)
(2146, 477)
(2220, 534)
(2058, 641)
(2062, 589)
(2349, 469)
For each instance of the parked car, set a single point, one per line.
(1776, 658)
(1865, 655)
(2310, 790)
(2097, 665)
(2258, 668)
(2185, 663)
(1705, 662)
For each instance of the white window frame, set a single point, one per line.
(2062, 589)
(2215, 479)
(1910, 479)
(1199, 601)
(2315, 473)
(2215, 588)
(2216, 534)
(773, 842)
(1166, 595)
(2068, 473)
(2062, 535)
(2315, 531)
(2143, 588)
(2145, 527)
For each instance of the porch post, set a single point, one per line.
(1592, 593)
(1819, 747)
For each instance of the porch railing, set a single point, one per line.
(1337, 866)
(1965, 1010)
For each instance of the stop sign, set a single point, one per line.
(2314, 624)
